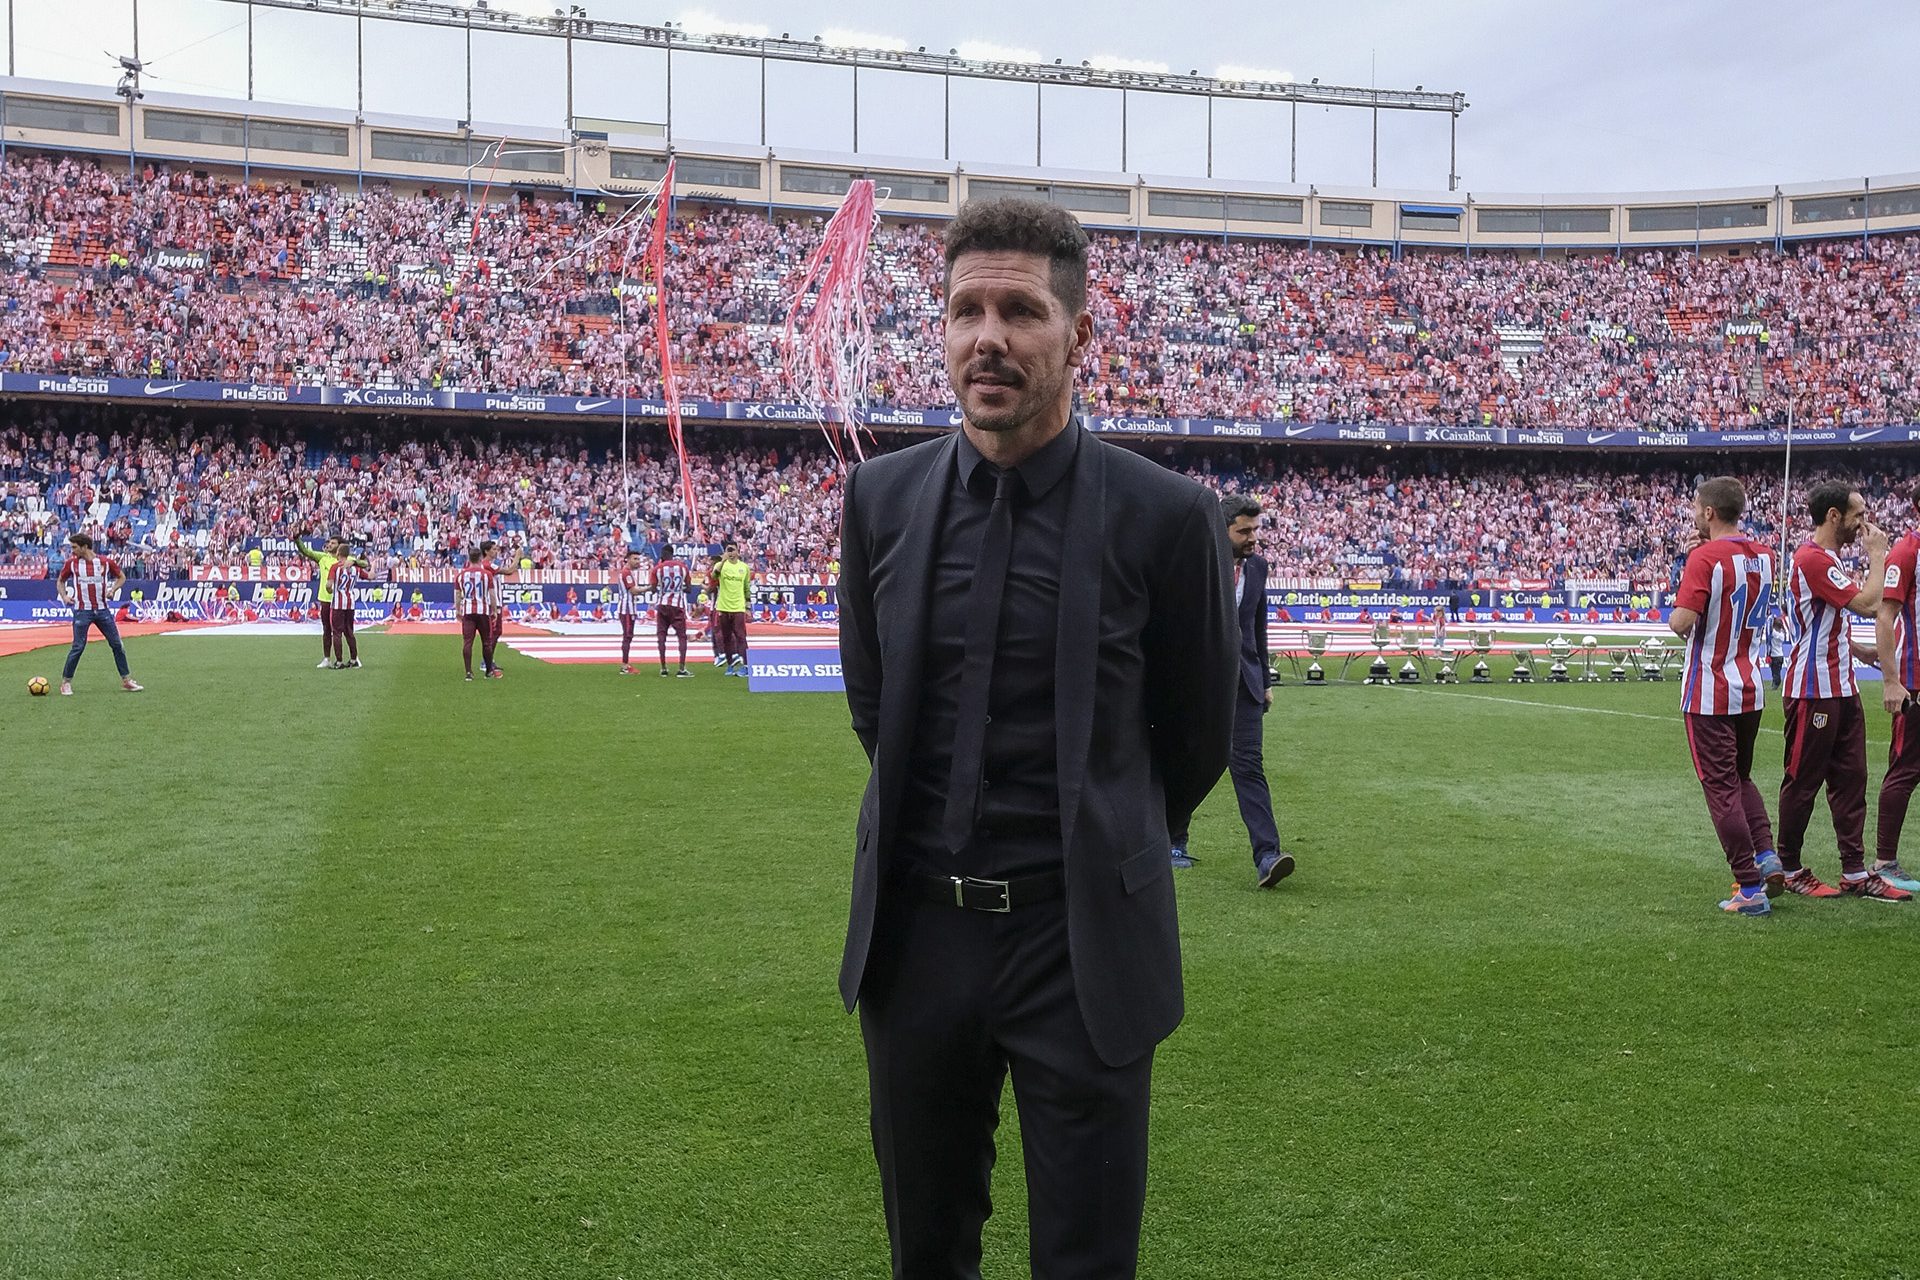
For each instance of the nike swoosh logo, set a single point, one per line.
(1864, 433)
(1298, 431)
(587, 406)
(152, 390)
(1602, 437)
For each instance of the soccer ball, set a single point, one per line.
(37, 686)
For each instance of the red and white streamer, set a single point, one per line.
(827, 348)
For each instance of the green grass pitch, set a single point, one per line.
(378, 974)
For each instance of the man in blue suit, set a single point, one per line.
(1252, 700)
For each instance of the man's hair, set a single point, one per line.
(474, 554)
(81, 540)
(1025, 226)
(731, 546)
(1829, 497)
(666, 551)
(1235, 505)
(1727, 497)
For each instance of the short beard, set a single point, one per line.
(1036, 398)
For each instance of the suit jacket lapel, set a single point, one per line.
(904, 633)
(1076, 651)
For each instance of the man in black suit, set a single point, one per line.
(1253, 698)
(1037, 636)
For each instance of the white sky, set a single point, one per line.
(1567, 95)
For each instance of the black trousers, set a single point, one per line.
(954, 1001)
(1248, 767)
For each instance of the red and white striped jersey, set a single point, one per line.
(1899, 590)
(626, 594)
(1819, 664)
(473, 589)
(1729, 583)
(670, 578)
(496, 599)
(92, 579)
(344, 574)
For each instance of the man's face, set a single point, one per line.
(1244, 534)
(1702, 519)
(1011, 345)
(1854, 520)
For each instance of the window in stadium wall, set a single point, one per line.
(1564, 221)
(1677, 217)
(1507, 221)
(981, 189)
(1346, 213)
(524, 157)
(834, 182)
(64, 117)
(1094, 199)
(1411, 220)
(1185, 204)
(420, 148)
(306, 139)
(1828, 209)
(741, 175)
(1894, 204)
(1732, 215)
(192, 126)
(1260, 209)
(633, 166)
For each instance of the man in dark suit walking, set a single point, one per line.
(1253, 698)
(1037, 637)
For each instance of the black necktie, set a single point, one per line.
(976, 668)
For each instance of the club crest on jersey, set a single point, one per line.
(1820, 719)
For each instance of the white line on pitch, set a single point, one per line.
(1561, 706)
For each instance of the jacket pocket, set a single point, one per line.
(1144, 867)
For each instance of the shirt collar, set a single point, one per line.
(1039, 474)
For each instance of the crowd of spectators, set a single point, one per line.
(170, 273)
(169, 488)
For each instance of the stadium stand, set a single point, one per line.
(169, 489)
(320, 283)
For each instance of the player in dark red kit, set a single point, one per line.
(1721, 611)
(670, 579)
(626, 606)
(475, 590)
(1826, 729)
(1898, 640)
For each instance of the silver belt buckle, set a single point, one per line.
(960, 884)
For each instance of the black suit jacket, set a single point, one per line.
(1144, 686)
(1253, 626)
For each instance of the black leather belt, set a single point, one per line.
(976, 894)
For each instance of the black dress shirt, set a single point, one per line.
(1019, 825)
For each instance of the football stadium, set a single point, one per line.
(478, 602)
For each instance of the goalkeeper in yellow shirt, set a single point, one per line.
(732, 586)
